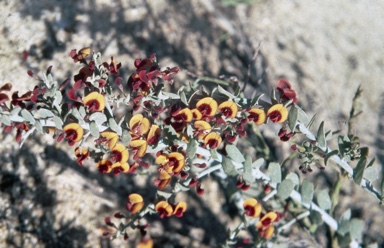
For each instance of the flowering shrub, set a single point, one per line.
(187, 135)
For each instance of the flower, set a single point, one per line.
(228, 109)
(139, 125)
(252, 207)
(104, 166)
(207, 106)
(94, 101)
(265, 227)
(286, 91)
(109, 138)
(139, 147)
(73, 132)
(257, 116)
(145, 243)
(202, 129)
(277, 113)
(179, 209)
(164, 209)
(82, 154)
(163, 180)
(119, 153)
(154, 135)
(172, 162)
(212, 140)
(135, 203)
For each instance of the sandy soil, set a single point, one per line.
(325, 49)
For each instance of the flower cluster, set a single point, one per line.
(155, 129)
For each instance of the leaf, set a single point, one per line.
(164, 194)
(228, 167)
(247, 174)
(358, 171)
(234, 153)
(258, 163)
(320, 137)
(183, 98)
(6, 120)
(93, 128)
(98, 117)
(294, 178)
(113, 125)
(344, 240)
(329, 155)
(316, 217)
(274, 172)
(45, 113)
(324, 200)
(356, 228)
(126, 138)
(285, 189)
(224, 92)
(371, 174)
(328, 135)
(58, 122)
(191, 148)
(214, 154)
(302, 116)
(27, 116)
(307, 189)
(292, 117)
(39, 127)
(82, 111)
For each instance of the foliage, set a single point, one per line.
(187, 135)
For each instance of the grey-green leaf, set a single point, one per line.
(39, 127)
(285, 188)
(98, 117)
(371, 174)
(45, 113)
(27, 116)
(330, 154)
(274, 172)
(247, 174)
(292, 117)
(294, 178)
(191, 148)
(58, 122)
(320, 137)
(113, 125)
(94, 129)
(228, 167)
(126, 138)
(324, 200)
(356, 228)
(234, 153)
(214, 154)
(307, 189)
(5, 120)
(358, 172)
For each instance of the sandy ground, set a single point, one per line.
(324, 49)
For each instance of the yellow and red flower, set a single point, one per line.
(265, 225)
(109, 138)
(202, 129)
(139, 147)
(277, 113)
(212, 140)
(172, 163)
(73, 132)
(135, 203)
(196, 114)
(252, 207)
(228, 109)
(82, 154)
(257, 115)
(207, 106)
(145, 243)
(104, 166)
(180, 209)
(164, 209)
(94, 101)
(163, 180)
(154, 135)
(139, 125)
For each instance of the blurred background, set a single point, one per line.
(326, 50)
